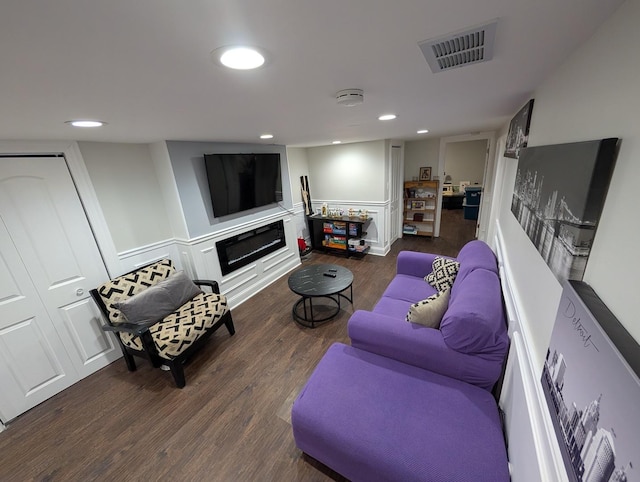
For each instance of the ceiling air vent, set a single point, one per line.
(468, 47)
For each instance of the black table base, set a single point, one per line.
(309, 320)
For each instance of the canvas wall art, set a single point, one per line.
(518, 135)
(591, 386)
(558, 198)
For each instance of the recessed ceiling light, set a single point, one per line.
(239, 58)
(86, 123)
(336, 142)
(387, 117)
(423, 131)
(266, 136)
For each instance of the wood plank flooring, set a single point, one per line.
(232, 420)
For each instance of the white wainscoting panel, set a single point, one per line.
(243, 283)
(199, 258)
(533, 451)
(134, 258)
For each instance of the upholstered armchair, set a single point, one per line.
(160, 314)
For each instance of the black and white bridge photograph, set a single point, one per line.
(558, 197)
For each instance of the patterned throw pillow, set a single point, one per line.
(429, 312)
(444, 272)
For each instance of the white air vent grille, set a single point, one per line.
(471, 46)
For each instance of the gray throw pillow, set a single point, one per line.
(157, 301)
(443, 274)
(429, 312)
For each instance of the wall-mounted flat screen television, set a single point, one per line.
(239, 182)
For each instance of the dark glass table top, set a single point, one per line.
(311, 280)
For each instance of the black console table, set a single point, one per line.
(341, 235)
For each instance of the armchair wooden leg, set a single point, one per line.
(131, 363)
(229, 325)
(178, 373)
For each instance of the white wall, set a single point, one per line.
(419, 154)
(298, 166)
(464, 161)
(354, 176)
(149, 197)
(125, 182)
(187, 161)
(592, 95)
(348, 172)
(585, 100)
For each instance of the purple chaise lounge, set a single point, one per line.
(407, 402)
(374, 419)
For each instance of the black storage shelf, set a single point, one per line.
(332, 234)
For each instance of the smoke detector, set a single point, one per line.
(350, 97)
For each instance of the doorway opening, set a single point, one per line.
(465, 167)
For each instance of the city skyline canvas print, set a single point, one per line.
(518, 134)
(592, 390)
(558, 198)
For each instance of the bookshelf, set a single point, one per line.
(419, 213)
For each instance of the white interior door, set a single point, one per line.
(49, 326)
(34, 363)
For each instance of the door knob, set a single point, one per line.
(79, 292)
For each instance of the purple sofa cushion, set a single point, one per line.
(393, 308)
(409, 289)
(474, 322)
(414, 263)
(478, 254)
(369, 417)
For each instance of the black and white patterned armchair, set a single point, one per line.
(160, 314)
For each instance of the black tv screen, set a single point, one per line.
(239, 182)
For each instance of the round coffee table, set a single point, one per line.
(319, 281)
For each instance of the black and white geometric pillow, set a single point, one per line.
(444, 273)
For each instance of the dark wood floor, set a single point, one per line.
(231, 422)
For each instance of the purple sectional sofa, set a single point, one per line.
(472, 341)
(407, 402)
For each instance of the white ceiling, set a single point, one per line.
(144, 67)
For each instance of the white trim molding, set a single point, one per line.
(86, 192)
(199, 258)
(533, 451)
